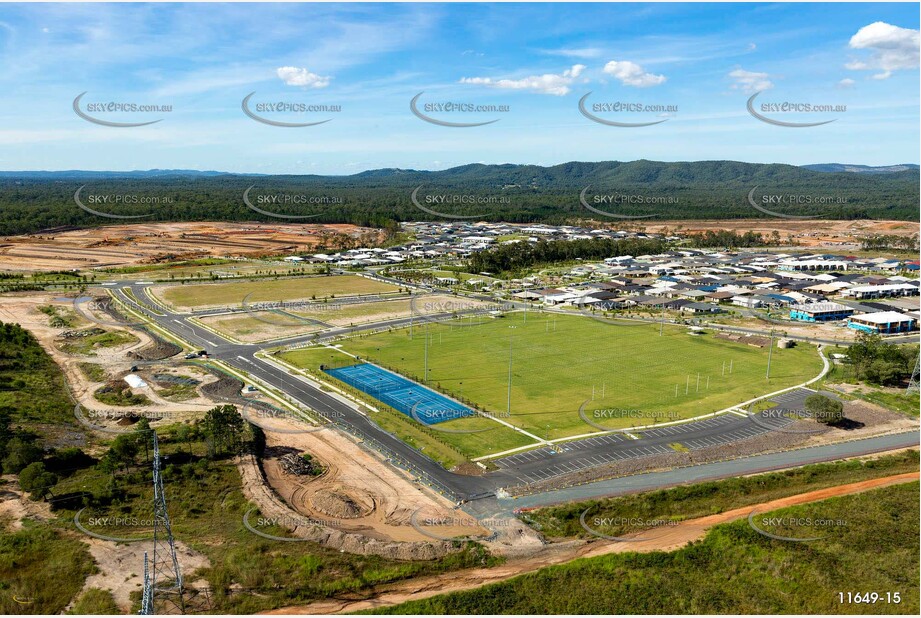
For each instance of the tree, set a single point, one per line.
(142, 431)
(878, 362)
(109, 465)
(124, 449)
(223, 426)
(36, 480)
(184, 434)
(6, 429)
(20, 452)
(825, 409)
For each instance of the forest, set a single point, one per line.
(43, 201)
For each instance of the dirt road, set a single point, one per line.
(673, 537)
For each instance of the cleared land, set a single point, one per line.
(222, 294)
(256, 326)
(144, 243)
(805, 233)
(637, 376)
(208, 268)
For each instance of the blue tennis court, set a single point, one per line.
(400, 393)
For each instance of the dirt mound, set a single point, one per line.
(340, 504)
(300, 465)
(158, 350)
(226, 389)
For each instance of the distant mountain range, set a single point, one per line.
(155, 173)
(862, 169)
(630, 171)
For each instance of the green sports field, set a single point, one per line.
(222, 294)
(638, 377)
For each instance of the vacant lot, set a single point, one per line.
(558, 363)
(256, 326)
(208, 268)
(223, 294)
(118, 246)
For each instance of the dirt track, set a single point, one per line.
(387, 498)
(672, 537)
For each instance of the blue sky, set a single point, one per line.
(372, 59)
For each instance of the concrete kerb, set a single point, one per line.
(315, 382)
(420, 478)
(158, 304)
(215, 332)
(718, 461)
(182, 343)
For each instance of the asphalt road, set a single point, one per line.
(544, 463)
(712, 471)
(513, 470)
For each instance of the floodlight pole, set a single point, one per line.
(425, 366)
(508, 400)
(770, 352)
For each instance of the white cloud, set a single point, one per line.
(893, 48)
(581, 52)
(751, 47)
(749, 81)
(847, 82)
(632, 74)
(548, 83)
(294, 76)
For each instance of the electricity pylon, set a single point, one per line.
(163, 579)
(913, 383)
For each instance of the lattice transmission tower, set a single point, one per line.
(162, 577)
(913, 384)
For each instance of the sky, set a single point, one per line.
(695, 66)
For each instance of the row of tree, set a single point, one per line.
(879, 362)
(514, 257)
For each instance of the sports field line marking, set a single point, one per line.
(712, 416)
(537, 439)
